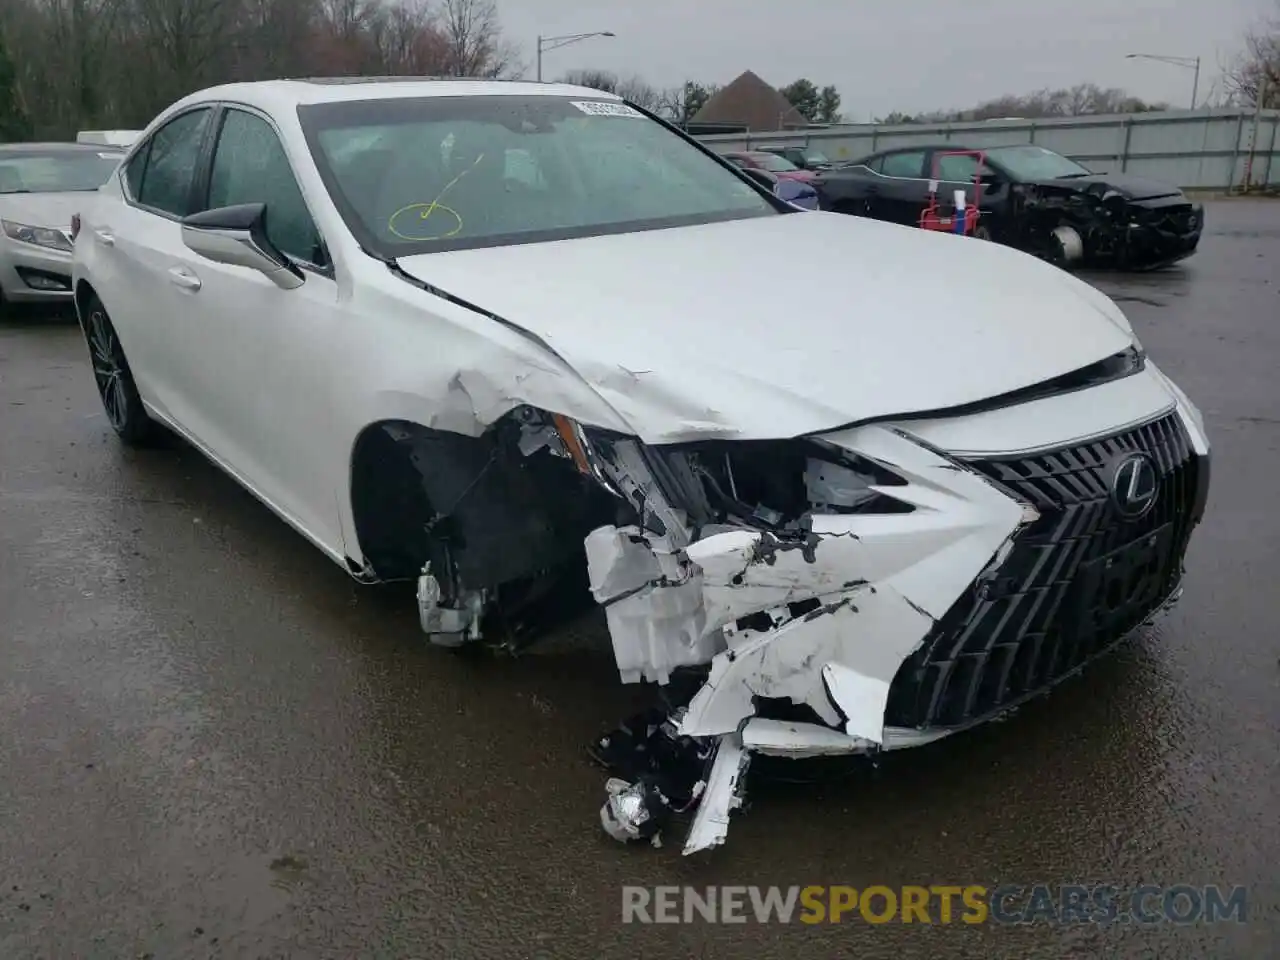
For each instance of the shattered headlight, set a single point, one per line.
(771, 483)
(763, 484)
(36, 236)
(685, 488)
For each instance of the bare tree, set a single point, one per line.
(634, 88)
(1082, 99)
(71, 64)
(270, 39)
(640, 92)
(473, 40)
(595, 79)
(1255, 75)
(679, 104)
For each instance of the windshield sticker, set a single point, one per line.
(604, 108)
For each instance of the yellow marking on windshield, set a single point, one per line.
(427, 209)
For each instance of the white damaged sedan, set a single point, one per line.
(510, 340)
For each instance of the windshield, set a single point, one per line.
(1035, 163)
(446, 173)
(774, 163)
(815, 156)
(30, 171)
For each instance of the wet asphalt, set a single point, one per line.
(214, 744)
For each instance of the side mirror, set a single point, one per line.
(991, 179)
(238, 236)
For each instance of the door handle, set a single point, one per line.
(184, 278)
(105, 236)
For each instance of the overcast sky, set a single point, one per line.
(884, 56)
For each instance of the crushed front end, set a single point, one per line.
(1091, 224)
(1162, 231)
(867, 590)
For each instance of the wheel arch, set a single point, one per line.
(84, 290)
(493, 513)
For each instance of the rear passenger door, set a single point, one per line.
(138, 253)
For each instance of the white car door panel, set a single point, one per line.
(142, 304)
(138, 246)
(254, 357)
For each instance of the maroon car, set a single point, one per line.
(780, 167)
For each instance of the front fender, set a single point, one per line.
(414, 357)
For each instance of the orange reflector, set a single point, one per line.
(565, 427)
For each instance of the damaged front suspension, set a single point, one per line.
(662, 773)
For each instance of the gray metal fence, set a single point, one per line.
(1208, 149)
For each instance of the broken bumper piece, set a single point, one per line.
(889, 626)
(821, 615)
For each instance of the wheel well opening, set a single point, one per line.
(480, 510)
(83, 293)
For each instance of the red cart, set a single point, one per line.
(943, 216)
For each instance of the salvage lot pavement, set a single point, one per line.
(213, 743)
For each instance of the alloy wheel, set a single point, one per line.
(108, 368)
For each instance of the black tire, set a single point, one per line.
(111, 373)
(982, 233)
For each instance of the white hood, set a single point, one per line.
(778, 326)
(45, 209)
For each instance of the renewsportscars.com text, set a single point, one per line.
(936, 904)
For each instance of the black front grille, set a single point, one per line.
(1077, 580)
(1179, 219)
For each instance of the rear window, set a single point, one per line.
(442, 173)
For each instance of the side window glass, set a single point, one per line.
(250, 166)
(958, 168)
(903, 164)
(875, 164)
(133, 172)
(171, 163)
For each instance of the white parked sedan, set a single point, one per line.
(42, 185)
(500, 337)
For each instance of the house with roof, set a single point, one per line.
(747, 105)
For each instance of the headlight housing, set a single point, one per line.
(47, 237)
(680, 490)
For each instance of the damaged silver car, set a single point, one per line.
(516, 341)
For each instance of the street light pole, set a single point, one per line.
(1189, 63)
(555, 43)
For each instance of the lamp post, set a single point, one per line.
(555, 43)
(1189, 63)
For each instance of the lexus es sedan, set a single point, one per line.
(41, 186)
(511, 341)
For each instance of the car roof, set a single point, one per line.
(286, 95)
(58, 147)
(914, 147)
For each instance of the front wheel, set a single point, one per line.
(119, 393)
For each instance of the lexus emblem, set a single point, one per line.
(1134, 487)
